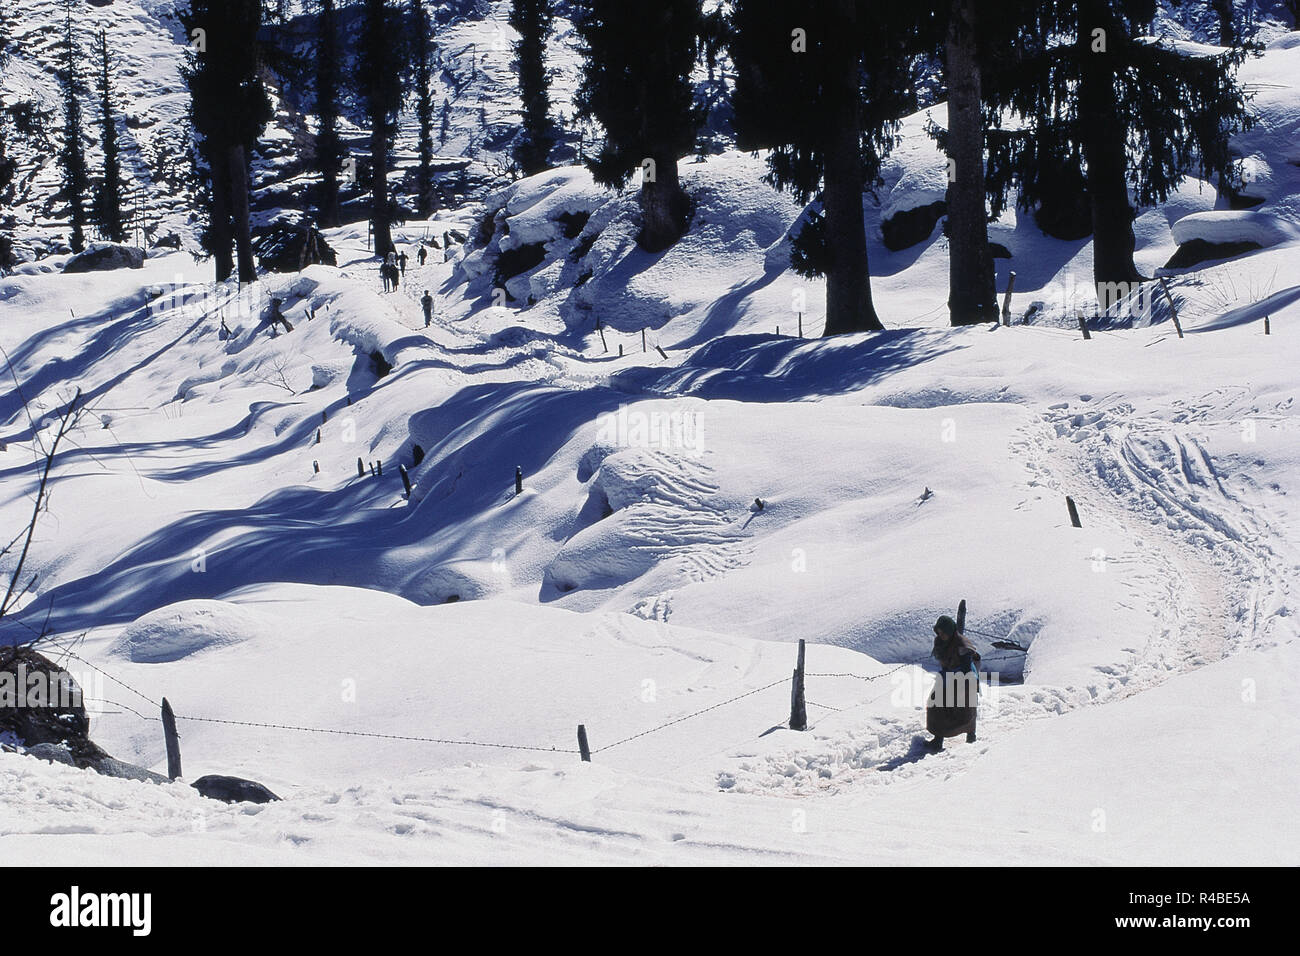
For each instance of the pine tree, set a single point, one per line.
(379, 75)
(421, 56)
(7, 165)
(229, 108)
(532, 20)
(329, 150)
(636, 83)
(822, 88)
(1136, 113)
(72, 157)
(108, 196)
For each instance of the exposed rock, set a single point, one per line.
(233, 789)
(907, 228)
(103, 256)
(292, 250)
(1195, 251)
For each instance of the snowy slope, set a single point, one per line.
(409, 673)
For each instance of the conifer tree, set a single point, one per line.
(822, 87)
(108, 195)
(532, 20)
(329, 151)
(1137, 114)
(380, 80)
(72, 157)
(636, 82)
(421, 56)
(229, 108)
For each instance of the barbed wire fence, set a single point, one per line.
(797, 721)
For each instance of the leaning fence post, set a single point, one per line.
(798, 707)
(1074, 512)
(961, 617)
(1083, 327)
(173, 741)
(406, 479)
(1006, 299)
(583, 749)
(1173, 309)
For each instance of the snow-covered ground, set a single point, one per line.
(409, 673)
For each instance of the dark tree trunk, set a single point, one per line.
(1104, 151)
(1227, 29)
(379, 211)
(220, 236)
(848, 279)
(239, 212)
(971, 291)
(665, 207)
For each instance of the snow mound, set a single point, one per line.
(1222, 226)
(189, 627)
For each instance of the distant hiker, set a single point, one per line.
(953, 703)
(427, 301)
(401, 260)
(423, 254)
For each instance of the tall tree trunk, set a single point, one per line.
(665, 206)
(971, 291)
(1104, 151)
(239, 212)
(379, 211)
(848, 278)
(220, 236)
(1227, 29)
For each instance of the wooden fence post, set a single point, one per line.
(173, 741)
(1006, 299)
(406, 479)
(660, 350)
(800, 325)
(519, 479)
(1266, 330)
(1083, 327)
(583, 749)
(361, 469)
(798, 707)
(643, 345)
(1173, 309)
(961, 616)
(1074, 512)
(315, 467)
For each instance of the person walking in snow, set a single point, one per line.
(953, 702)
(423, 254)
(401, 261)
(427, 301)
(383, 274)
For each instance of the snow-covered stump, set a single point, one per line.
(1074, 512)
(173, 741)
(798, 706)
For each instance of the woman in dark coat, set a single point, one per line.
(953, 703)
